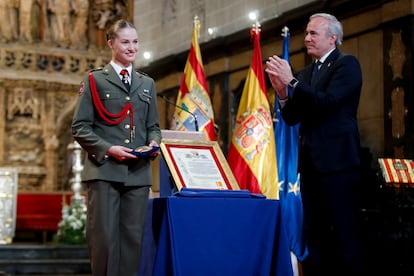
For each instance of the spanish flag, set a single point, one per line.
(252, 152)
(196, 112)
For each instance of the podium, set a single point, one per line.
(167, 186)
(215, 235)
(209, 232)
(183, 135)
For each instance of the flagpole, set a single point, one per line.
(196, 26)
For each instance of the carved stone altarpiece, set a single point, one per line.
(44, 51)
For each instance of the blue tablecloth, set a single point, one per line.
(215, 236)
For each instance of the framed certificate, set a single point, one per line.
(197, 165)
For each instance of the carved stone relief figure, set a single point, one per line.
(3, 27)
(25, 20)
(59, 18)
(104, 13)
(75, 24)
(9, 13)
(80, 10)
(39, 29)
(120, 9)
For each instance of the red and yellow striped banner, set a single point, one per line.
(397, 170)
(193, 96)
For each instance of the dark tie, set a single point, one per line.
(316, 67)
(124, 74)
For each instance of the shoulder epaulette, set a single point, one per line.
(96, 69)
(142, 73)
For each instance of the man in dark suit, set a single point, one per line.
(324, 101)
(116, 113)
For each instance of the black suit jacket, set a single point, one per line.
(326, 107)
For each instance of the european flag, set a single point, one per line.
(287, 139)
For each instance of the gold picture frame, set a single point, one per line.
(198, 165)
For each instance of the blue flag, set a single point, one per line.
(287, 139)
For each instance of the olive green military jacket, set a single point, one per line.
(96, 135)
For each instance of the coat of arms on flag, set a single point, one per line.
(252, 134)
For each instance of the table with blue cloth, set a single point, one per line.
(215, 233)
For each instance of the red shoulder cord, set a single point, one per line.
(105, 114)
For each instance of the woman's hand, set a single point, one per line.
(121, 153)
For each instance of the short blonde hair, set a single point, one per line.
(111, 33)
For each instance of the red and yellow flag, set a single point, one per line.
(194, 99)
(252, 152)
(397, 170)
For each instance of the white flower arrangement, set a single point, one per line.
(72, 227)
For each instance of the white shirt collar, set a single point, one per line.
(119, 68)
(323, 58)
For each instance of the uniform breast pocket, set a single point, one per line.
(112, 102)
(144, 102)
